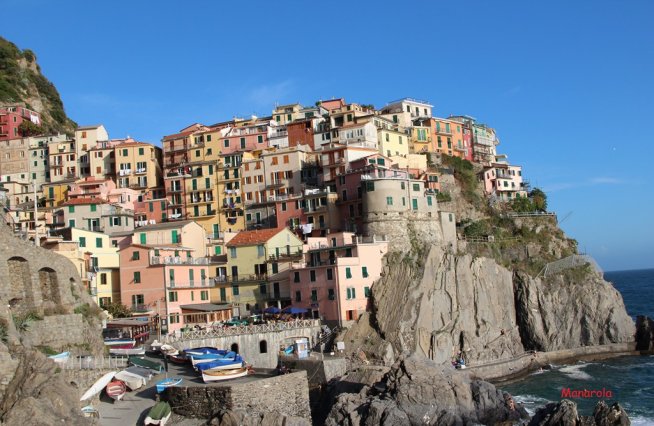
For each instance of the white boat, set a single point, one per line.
(126, 352)
(218, 375)
(168, 350)
(60, 358)
(97, 387)
(133, 381)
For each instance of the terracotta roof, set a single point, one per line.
(177, 135)
(250, 238)
(82, 201)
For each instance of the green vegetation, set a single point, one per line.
(47, 350)
(88, 310)
(443, 197)
(24, 322)
(18, 83)
(118, 310)
(27, 128)
(464, 172)
(537, 202)
(4, 331)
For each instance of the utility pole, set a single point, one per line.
(36, 230)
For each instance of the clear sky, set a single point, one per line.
(568, 85)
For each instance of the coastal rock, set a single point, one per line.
(565, 413)
(243, 418)
(644, 333)
(570, 310)
(417, 391)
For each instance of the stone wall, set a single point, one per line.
(250, 346)
(57, 331)
(403, 230)
(319, 371)
(287, 394)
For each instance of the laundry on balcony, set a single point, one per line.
(307, 228)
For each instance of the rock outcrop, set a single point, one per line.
(565, 413)
(243, 418)
(416, 391)
(644, 333)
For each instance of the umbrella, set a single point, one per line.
(294, 310)
(272, 310)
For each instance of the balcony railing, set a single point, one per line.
(202, 282)
(443, 131)
(177, 260)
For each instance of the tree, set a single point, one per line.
(522, 205)
(117, 310)
(27, 128)
(539, 198)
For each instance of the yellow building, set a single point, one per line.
(257, 269)
(56, 193)
(284, 114)
(393, 143)
(229, 185)
(63, 160)
(138, 166)
(100, 266)
(420, 137)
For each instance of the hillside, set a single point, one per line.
(22, 83)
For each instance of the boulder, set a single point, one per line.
(644, 333)
(565, 413)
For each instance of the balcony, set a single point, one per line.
(175, 189)
(279, 183)
(316, 209)
(124, 172)
(443, 131)
(141, 171)
(218, 236)
(246, 278)
(177, 260)
(140, 309)
(286, 257)
(201, 283)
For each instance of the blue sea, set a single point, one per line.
(630, 379)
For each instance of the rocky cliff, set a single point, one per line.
(44, 309)
(21, 83)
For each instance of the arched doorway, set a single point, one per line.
(49, 285)
(20, 281)
(234, 347)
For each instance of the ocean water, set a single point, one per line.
(630, 379)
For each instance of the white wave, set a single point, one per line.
(574, 372)
(641, 421)
(531, 402)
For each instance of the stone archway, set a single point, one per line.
(20, 284)
(234, 347)
(49, 284)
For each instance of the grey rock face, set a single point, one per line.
(419, 392)
(644, 333)
(560, 313)
(564, 413)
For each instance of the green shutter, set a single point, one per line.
(364, 271)
(82, 241)
(174, 236)
(348, 273)
(143, 237)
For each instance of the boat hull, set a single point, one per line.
(127, 351)
(120, 343)
(116, 390)
(167, 383)
(221, 364)
(220, 375)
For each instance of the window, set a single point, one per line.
(138, 299)
(314, 295)
(191, 276)
(366, 292)
(330, 294)
(174, 319)
(389, 201)
(260, 250)
(330, 274)
(93, 207)
(174, 237)
(350, 293)
(364, 271)
(141, 151)
(98, 242)
(312, 275)
(414, 203)
(82, 241)
(226, 143)
(197, 152)
(232, 252)
(263, 347)
(71, 209)
(242, 143)
(137, 277)
(124, 153)
(428, 200)
(275, 268)
(103, 278)
(298, 296)
(172, 296)
(416, 187)
(71, 223)
(348, 273)
(235, 290)
(370, 186)
(136, 255)
(143, 238)
(204, 295)
(259, 139)
(263, 288)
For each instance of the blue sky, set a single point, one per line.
(567, 85)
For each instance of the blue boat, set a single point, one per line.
(216, 354)
(221, 364)
(166, 383)
(205, 352)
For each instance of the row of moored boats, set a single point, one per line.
(212, 363)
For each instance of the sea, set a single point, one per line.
(630, 379)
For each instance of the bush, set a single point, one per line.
(23, 322)
(443, 197)
(522, 205)
(539, 199)
(118, 310)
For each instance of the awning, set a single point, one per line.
(205, 307)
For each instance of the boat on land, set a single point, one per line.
(145, 363)
(218, 354)
(221, 364)
(159, 414)
(97, 387)
(116, 390)
(179, 359)
(126, 352)
(168, 382)
(131, 380)
(60, 358)
(219, 375)
(120, 343)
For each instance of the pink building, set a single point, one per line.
(335, 278)
(503, 180)
(104, 189)
(253, 137)
(11, 118)
(166, 281)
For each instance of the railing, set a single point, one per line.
(216, 236)
(444, 131)
(278, 135)
(206, 282)
(239, 330)
(176, 260)
(94, 363)
(531, 214)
